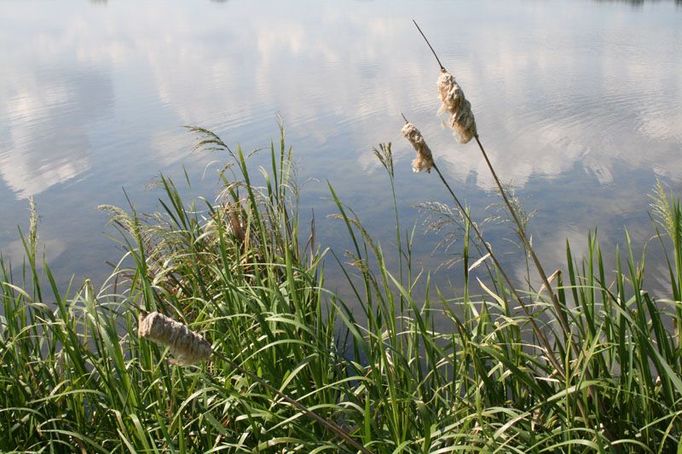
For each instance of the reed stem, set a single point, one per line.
(442, 68)
(538, 332)
(563, 320)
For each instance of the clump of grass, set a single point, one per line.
(74, 373)
(440, 371)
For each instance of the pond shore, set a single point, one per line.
(243, 272)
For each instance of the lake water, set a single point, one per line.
(579, 104)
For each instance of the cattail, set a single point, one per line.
(186, 346)
(424, 159)
(461, 118)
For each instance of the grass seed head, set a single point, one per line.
(185, 345)
(461, 117)
(424, 159)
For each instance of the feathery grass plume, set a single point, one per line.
(385, 156)
(186, 346)
(462, 119)
(424, 159)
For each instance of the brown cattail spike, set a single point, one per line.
(185, 345)
(461, 117)
(424, 159)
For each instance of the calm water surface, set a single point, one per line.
(579, 104)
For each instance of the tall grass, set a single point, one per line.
(74, 373)
(414, 372)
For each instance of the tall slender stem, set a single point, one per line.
(536, 328)
(561, 314)
(563, 320)
(442, 68)
(538, 332)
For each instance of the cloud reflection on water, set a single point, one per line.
(47, 120)
(98, 93)
(546, 97)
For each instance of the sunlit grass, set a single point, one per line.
(415, 371)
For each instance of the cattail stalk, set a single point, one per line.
(453, 101)
(559, 309)
(536, 328)
(466, 129)
(561, 313)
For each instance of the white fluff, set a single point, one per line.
(461, 117)
(424, 159)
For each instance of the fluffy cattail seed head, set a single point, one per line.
(424, 159)
(185, 345)
(461, 117)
